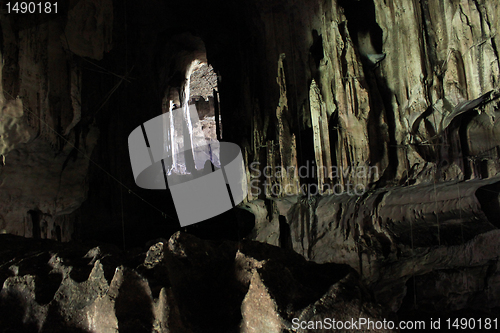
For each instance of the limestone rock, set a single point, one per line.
(89, 28)
(182, 285)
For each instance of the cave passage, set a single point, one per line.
(194, 124)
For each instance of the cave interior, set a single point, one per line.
(370, 139)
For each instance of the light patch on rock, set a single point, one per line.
(13, 128)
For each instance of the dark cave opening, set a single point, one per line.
(307, 160)
(172, 57)
(197, 90)
(361, 22)
(489, 199)
(285, 234)
(35, 222)
(316, 49)
(58, 233)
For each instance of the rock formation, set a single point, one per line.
(370, 136)
(178, 285)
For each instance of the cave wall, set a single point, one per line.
(424, 118)
(326, 102)
(45, 132)
(298, 87)
(406, 90)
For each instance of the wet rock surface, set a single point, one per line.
(182, 284)
(409, 88)
(186, 284)
(437, 243)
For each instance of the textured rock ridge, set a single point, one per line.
(393, 116)
(179, 285)
(392, 236)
